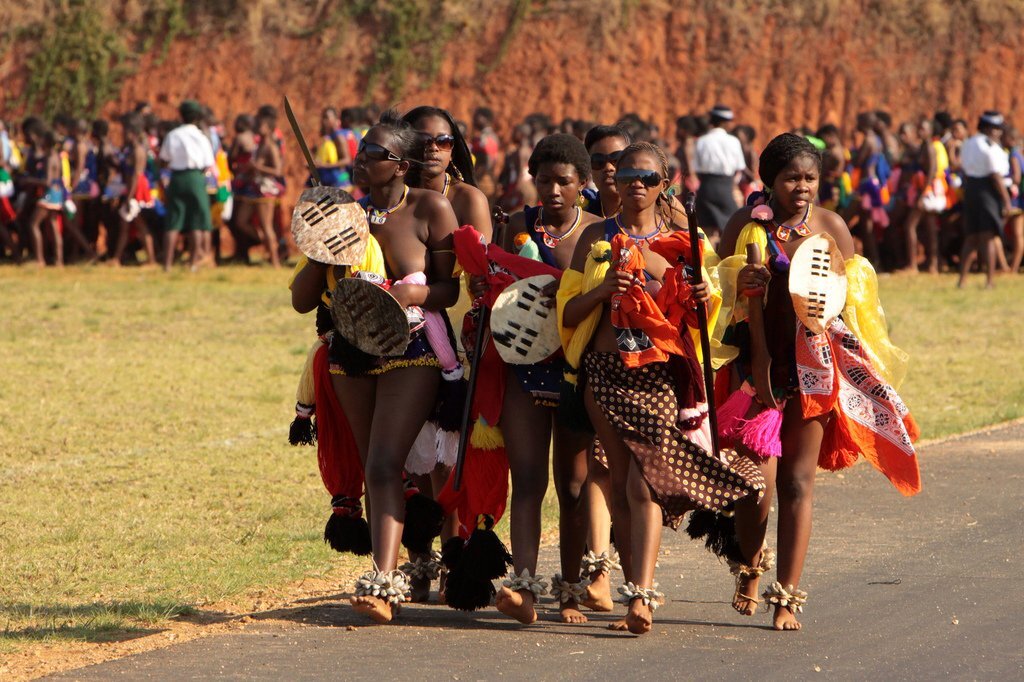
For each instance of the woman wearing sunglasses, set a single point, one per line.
(641, 390)
(448, 169)
(605, 145)
(794, 392)
(386, 400)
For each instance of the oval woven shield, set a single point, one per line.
(369, 317)
(330, 227)
(817, 282)
(525, 331)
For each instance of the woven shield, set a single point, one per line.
(329, 227)
(817, 282)
(369, 317)
(525, 331)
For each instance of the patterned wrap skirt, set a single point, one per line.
(641, 405)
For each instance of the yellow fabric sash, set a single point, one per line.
(373, 261)
(573, 283)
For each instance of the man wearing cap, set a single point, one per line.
(188, 153)
(985, 165)
(718, 157)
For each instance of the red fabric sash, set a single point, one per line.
(868, 417)
(336, 451)
(484, 488)
(643, 333)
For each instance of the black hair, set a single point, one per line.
(100, 127)
(32, 126)
(780, 152)
(561, 148)
(750, 131)
(190, 115)
(267, 110)
(598, 133)
(827, 129)
(687, 123)
(133, 124)
(884, 118)
(244, 123)
(264, 117)
(63, 120)
(462, 160)
(140, 105)
(408, 144)
(663, 204)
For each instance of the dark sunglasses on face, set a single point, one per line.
(377, 152)
(599, 160)
(442, 142)
(649, 178)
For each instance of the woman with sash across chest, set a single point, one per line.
(387, 400)
(811, 368)
(638, 372)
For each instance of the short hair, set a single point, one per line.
(100, 127)
(32, 126)
(561, 148)
(687, 123)
(781, 151)
(601, 132)
(267, 110)
(133, 123)
(749, 130)
(244, 123)
(408, 143)
(884, 117)
(648, 148)
(827, 129)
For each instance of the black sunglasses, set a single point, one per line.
(599, 160)
(649, 178)
(443, 142)
(377, 152)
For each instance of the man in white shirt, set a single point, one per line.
(188, 153)
(718, 157)
(985, 165)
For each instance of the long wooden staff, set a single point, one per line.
(702, 322)
(500, 219)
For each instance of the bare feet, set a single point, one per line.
(618, 626)
(785, 619)
(570, 613)
(378, 610)
(517, 605)
(599, 593)
(640, 617)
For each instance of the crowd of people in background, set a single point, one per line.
(154, 191)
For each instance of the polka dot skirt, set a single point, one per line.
(641, 404)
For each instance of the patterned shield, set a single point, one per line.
(369, 317)
(817, 282)
(525, 331)
(329, 227)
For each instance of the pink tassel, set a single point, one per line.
(733, 412)
(437, 335)
(763, 433)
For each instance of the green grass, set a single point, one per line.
(144, 468)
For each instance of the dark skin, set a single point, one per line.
(43, 216)
(415, 238)
(927, 162)
(604, 177)
(987, 242)
(471, 208)
(528, 427)
(265, 162)
(135, 140)
(637, 517)
(792, 475)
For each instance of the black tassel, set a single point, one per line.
(463, 590)
(451, 397)
(354, 362)
(424, 519)
(348, 534)
(486, 556)
(302, 431)
(718, 532)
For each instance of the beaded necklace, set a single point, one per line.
(652, 236)
(550, 240)
(378, 216)
(447, 184)
(785, 232)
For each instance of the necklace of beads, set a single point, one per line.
(785, 232)
(550, 240)
(651, 236)
(378, 216)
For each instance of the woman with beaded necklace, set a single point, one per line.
(560, 168)
(639, 376)
(813, 428)
(386, 400)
